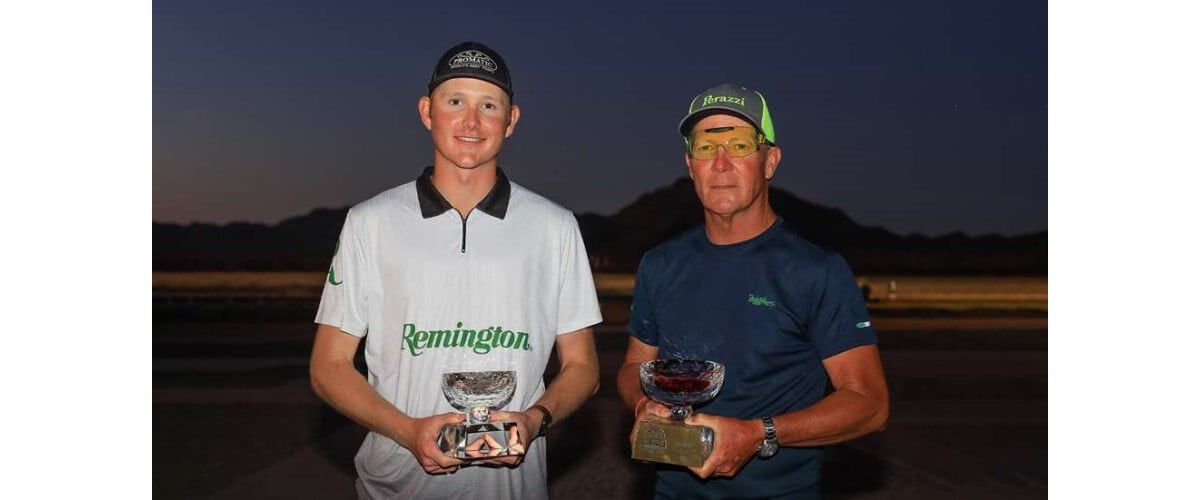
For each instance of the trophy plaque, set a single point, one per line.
(476, 394)
(677, 384)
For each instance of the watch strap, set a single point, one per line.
(768, 428)
(770, 444)
(547, 419)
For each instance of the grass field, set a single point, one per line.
(236, 283)
(929, 292)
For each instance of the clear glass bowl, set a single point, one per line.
(479, 392)
(681, 383)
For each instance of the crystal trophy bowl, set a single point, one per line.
(678, 384)
(477, 394)
(681, 383)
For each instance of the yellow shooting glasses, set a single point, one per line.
(736, 141)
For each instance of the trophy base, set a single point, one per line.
(477, 441)
(672, 443)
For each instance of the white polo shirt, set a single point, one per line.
(432, 293)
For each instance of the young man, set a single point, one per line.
(459, 270)
(781, 314)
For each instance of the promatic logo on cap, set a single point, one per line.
(472, 59)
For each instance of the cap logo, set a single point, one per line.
(472, 59)
(711, 99)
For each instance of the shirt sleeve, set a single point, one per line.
(344, 298)
(641, 315)
(578, 307)
(839, 321)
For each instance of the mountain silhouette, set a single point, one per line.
(616, 243)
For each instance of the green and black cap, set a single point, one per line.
(733, 99)
(472, 60)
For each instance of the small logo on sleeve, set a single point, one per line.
(862, 324)
(762, 301)
(333, 279)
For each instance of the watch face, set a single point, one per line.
(768, 449)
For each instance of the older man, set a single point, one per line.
(458, 270)
(782, 315)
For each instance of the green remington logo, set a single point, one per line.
(333, 279)
(760, 301)
(481, 342)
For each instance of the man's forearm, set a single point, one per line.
(345, 389)
(629, 385)
(842, 415)
(574, 384)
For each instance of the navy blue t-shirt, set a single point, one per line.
(769, 309)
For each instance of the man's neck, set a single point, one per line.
(738, 226)
(463, 188)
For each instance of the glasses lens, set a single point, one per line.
(736, 141)
(702, 149)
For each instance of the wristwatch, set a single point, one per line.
(547, 419)
(770, 444)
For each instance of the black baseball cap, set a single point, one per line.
(732, 99)
(472, 60)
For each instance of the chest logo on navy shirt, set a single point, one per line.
(760, 301)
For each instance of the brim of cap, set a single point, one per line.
(685, 125)
(433, 84)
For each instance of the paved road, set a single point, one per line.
(234, 418)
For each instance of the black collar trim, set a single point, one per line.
(434, 204)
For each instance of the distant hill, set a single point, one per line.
(299, 243)
(616, 243)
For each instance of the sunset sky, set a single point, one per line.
(924, 116)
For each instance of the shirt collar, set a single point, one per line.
(434, 204)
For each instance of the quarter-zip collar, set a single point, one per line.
(434, 204)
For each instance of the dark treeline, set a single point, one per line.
(616, 243)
